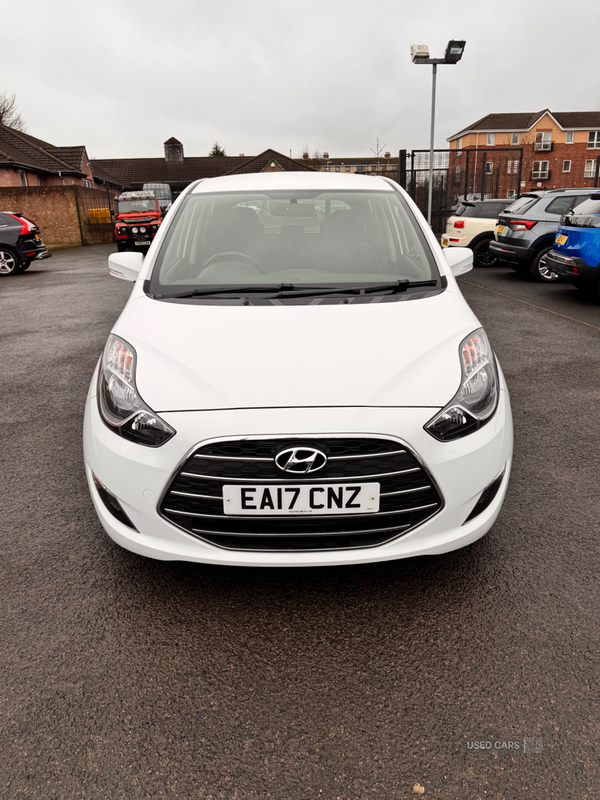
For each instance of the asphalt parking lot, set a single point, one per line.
(127, 678)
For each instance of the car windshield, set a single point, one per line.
(127, 206)
(292, 240)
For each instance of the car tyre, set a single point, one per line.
(9, 261)
(483, 256)
(24, 265)
(539, 270)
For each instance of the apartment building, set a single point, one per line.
(559, 149)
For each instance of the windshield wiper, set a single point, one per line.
(395, 286)
(241, 291)
(289, 290)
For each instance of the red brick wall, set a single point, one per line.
(54, 209)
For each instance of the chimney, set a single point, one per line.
(325, 155)
(387, 155)
(305, 155)
(173, 150)
(241, 155)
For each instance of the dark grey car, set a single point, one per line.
(526, 230)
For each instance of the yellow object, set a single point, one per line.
(99, 215)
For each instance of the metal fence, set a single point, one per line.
(95, 212)
(468, 174)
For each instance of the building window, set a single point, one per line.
(489, 167)
(347, 169)
(487, 196)
(514, 138)
(491, 139)
(88, 183)
(23, 177)
(569, 137)
(360, 168)
(337, 169)
(512, 167)
(540, 170)
(566, 166)
(457, 174)
(594, 140)
(511, 193)
(590, 168)
(543, 140)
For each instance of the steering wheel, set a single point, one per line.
(240, 256)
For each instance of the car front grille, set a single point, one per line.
(194, 498)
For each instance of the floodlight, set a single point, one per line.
(419, 52)
(454, 51)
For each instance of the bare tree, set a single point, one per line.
(378, 149)
(9, 113)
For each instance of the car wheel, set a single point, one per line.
(24, 265)
(483, 256)
(539, 269)
(9, 262)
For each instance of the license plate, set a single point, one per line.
(142, 244)
(444, 242)
(302, 499)
(561, 239)
(500, 229)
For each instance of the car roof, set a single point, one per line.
(295, 181)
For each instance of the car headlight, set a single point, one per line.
(119, 402)
(477, 398)
(134, 230)
(142, 230)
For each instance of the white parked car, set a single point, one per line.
(296, 396)
(472, 225)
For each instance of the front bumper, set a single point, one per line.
(138, 476)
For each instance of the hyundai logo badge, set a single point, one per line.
(300, 460)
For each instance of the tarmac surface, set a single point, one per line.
(121, 677)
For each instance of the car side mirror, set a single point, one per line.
(459, 259)
(125, 266)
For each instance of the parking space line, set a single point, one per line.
(533, 305)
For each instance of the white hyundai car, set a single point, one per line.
(296, 393)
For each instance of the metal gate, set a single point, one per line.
(461, 174)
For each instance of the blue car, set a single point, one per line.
(576, 253)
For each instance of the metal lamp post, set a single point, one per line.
(420, 55)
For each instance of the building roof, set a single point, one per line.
(22, 150)
(265, 159)
(158, 170)
(567, 120)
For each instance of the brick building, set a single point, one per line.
(559, 149)
(28, 161)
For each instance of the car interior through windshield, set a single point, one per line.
(292, 239)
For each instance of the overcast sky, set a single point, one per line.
(122, 77)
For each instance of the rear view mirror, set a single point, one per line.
(125, 266)
(459, 259)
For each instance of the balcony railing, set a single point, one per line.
(545, 146)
